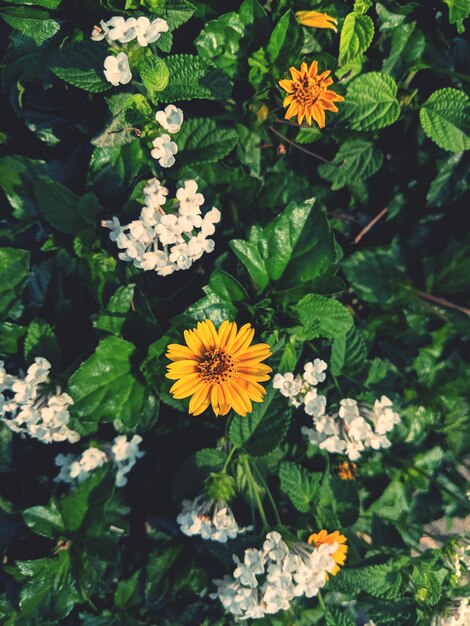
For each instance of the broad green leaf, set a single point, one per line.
(44, 520)
(47, 4)
(17, 176)
(154, 73)
(14, 272)
(127, 592)
(112, 318)
(356, 36)
(82, 65)
(300, 485)
(362, 6)
(10, 336)
(31, 22)
(451, 181)
(371, 102)
(192, 78)
(445, 118)
(355, 161)
(407, 47)
(348, 352)
(40, 341)
(202, 140)
(323, 317)
(177, 12)
(285, 42)
(226, 286)
(63, 209)
(104, 388)
(262, 430)
(458, 10)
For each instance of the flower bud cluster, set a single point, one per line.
(215, 522)
(27, 407)
(267, 580)
(166, 242)
(119, 30)
(124, 453)
(352, 430)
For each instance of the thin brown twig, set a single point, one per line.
(370, 225)
(443, 302)
(341, 216)
(296, 145)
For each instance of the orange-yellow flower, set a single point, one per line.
(315, 19)
(308, 94)
(330, 538)
(347, 470)
(220, 368)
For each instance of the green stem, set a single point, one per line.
(255, 493)
(321, 602)
(228, 459)
(269, 494)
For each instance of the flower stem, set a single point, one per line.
(321, 602)
(254, 491)
(228, 459)
(269, 494)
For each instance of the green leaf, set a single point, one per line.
(445, 118)
(263, 429)
(14, 272)
(355, 161)
(356, 36)
(302, 486)
(371, 102)
(177, 12)
(31, 23)
(202, 140)
(47, 4)
(82, 65)
(285, 41)
(451, 182)
(154, 73)
(219, 42)
(362, 6)
(104, 388)
(10, 336)
(127, 592)
(17, 176)
(112, 318)
(192, 78)
(40, 340)
(323, 317)
(458, 10)
(44, 520)
(348, 352)
(63, 209)
(227, 287)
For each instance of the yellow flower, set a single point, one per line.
(330, 538)
(308, 95)
(347, 470)
(315, 19)
(219, 368)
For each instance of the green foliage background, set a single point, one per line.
(387, 312)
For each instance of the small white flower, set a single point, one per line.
(314, 373)
(117, 70)
(164, 150)
(148, 32)
(155, 193)
(125, 454)
(121, 30)
(169, 229)
(170, 118)
(100, 32)
(190, 200)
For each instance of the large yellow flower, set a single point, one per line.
(315, 19)
(330, 538)
(219, 368)
(308, 95)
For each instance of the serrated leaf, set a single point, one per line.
(323, 317)
(154, 73)
(458, 10)
(177, 12)
(202, 140)
(445, 118)
(104, 388)
(82, 65)
(14, 272)
(356, 36)
(192, 78)
(348, 352)
(40, 341)
(355, 161)
(302, 486)
(31, 22)
(262, 430)
(371, 102)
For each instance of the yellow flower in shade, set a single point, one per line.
(324, 537)
(308, 94)
(315, 19)
(347, 470)
(220, 368)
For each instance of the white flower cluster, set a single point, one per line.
(26, 408)
(119, 30)
(164, 149)
(350, 431)
(459, 617)
(166, 242)
(123, 453)
(267, 580)
(196, 518)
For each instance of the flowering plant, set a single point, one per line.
(233, 315)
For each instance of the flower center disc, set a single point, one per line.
(217, 366)
(307, 91)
